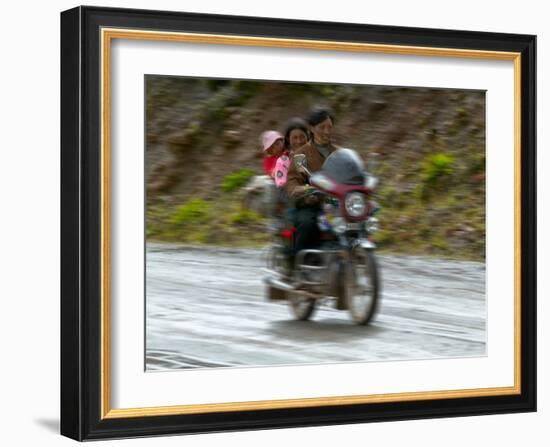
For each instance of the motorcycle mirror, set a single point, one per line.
(371, 182)
(300, 160)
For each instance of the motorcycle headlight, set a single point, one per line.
(355, 203)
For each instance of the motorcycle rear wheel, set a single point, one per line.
(362, 287)
(301, 306)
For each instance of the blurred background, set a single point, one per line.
(203, 149)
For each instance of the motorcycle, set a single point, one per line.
(343, 268)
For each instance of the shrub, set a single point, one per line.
(236, 179)
(245, 216)
(194, 211)
(436, 169)
(437, 166)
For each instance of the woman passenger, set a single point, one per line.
(296, 135)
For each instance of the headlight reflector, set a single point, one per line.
(355, 203)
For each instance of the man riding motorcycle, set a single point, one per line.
(323, 252)
(297, 186)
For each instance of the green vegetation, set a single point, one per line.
(223, 221)
(437, 166)
(195, 211)
(245, 216)
(436, 171)
(237, 179)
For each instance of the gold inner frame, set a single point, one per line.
(107, 35)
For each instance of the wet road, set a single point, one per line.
(206, 308)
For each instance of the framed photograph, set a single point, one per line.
(273, 223)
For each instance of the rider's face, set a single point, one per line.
(322, 131)
(297, 138)
(276, 148)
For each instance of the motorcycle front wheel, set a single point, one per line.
(362, 286)
(302, 307)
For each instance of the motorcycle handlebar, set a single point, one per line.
(313, 191)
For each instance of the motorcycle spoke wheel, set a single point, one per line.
(362, 287)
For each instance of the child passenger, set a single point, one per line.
(273, 147)
(274, 151)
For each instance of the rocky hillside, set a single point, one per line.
(202, 147)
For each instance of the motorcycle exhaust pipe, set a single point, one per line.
(277, 284)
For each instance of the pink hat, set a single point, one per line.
(269, 137)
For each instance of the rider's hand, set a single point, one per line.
(311, 200)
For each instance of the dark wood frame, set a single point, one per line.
(81, 223)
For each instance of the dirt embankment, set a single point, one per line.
(202, 135)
